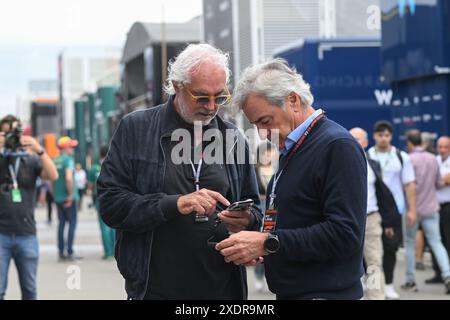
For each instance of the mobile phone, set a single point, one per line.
(240, 205)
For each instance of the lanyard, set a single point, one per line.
(198, 217)
(14, 173)
(290, 155)
(386, 162)
(196, 173)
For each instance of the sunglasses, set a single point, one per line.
(219, 100)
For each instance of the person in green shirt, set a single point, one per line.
(108, 234)
(66, 196)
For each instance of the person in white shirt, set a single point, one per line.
(81, 181)
(398, 175)
(443, 158)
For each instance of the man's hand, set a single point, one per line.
(236, 221)
(411, 217)
(68, 202)
(30, 144)
(445, 178)
(389, 232)
(243, 248)
(203, 201)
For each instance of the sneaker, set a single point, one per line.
(410, 286)
(72, 257)
(420, 266)
(390, 292)
(437, 279)
(447, 285)
(62, 258)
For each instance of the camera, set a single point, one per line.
(12, 139)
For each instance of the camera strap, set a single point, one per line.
(14, 171)
(198, 217)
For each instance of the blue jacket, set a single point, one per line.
(321, 198)
(130, 190)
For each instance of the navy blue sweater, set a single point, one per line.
(322, 202)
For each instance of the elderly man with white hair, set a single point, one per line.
(313, 230)
(169, 213)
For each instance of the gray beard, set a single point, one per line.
(191, 119)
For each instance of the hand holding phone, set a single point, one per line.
(237, 216)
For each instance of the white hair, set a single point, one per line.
(361, 130)
(274, 80)
(189, 60)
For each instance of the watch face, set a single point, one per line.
(272, 244)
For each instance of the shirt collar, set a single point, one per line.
(417, 149)
(295, 135)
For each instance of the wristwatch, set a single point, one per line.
(271, 244)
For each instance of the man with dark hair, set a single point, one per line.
(383, 125)
(413, 139)
(108, 234)
(398, 174)
(428, 179)
(22, 161)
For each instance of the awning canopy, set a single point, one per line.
(143, 35)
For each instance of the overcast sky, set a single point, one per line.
(33, 32)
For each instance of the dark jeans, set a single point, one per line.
(66, 215)
(24, 250)
(444, 226)
(390, 248)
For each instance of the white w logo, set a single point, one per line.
(384, 97)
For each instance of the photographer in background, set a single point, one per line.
(22, 161)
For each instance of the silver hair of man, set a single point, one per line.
(274, 80)
(189, 60)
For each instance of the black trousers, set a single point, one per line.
(49, 199)
(444, 226)
(390, 248)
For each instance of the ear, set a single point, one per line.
(176, 86)
(294, 102)
(365, 144)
